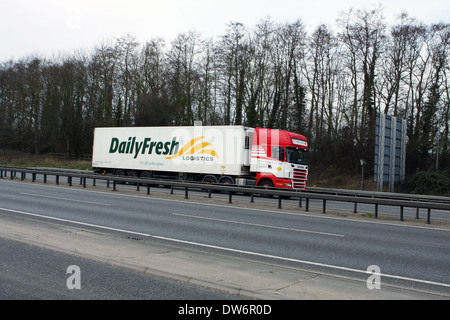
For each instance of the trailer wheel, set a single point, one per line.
(227, 180)
(120, 172)
(148, 175)
(210, 179)
(132, 174)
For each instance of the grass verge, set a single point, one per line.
(12, 158)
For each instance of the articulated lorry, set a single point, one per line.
(214, 154)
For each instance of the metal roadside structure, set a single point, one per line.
(376, 199)
(390, 151)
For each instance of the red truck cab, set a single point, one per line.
(279, 159)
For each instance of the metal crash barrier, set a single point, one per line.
(356, 197)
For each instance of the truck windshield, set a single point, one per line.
(295, 155)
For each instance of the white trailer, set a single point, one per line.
(198, 150)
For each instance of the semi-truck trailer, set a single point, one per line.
(214, 154)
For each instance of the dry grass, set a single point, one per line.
(332, 177)
(13, 158)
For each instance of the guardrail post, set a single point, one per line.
(33, 179)
(45, 178)
(107, 183)
(22, 176)
(307, 205)
(355, 207)
(230, 196)
(12, 174)
(84, 182)
(69, 180)
(279, 202)
(252, 195)
(401, 213)
(114, 185)
(324, 209)
(300, 202)
(57, 179)
(417, 213)
(429, 216)
(171, 189)
(138, 187)
(93, 182)
(376, 210)
(148, 189)
(186, 193)
(209, 193)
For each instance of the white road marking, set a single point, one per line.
(258, 225)
(256, 254)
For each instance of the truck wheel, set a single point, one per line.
(227, 180)
(266, 184)
(120, 172)
(148, 175)
(132, 174)
(209, 179)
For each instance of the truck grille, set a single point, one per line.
(299, 181)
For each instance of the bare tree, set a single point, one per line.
(363, 35)
(183, 75)
(126, 55)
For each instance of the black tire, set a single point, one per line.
(266, 183)
(132, 174)
(120, 172)
(227, 180)
(210, 179)
(148, 175)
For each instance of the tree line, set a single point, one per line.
(327, 85)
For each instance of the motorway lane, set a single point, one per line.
(337, 245)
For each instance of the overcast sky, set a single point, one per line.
(50, 27)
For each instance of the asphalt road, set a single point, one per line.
(361, 208)
(33, 273)
(415, 258)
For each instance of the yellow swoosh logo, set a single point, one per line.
(191, 147)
